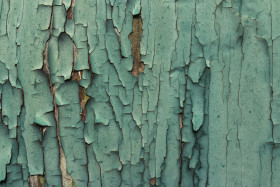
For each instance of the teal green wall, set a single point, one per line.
(78, 110)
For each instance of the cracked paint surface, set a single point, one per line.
(139, 93)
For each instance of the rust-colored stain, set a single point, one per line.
(153, 181)
(135, 38)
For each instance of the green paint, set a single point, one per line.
(202, 110)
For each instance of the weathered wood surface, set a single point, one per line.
(139, 93)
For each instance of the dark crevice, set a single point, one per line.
(69, 13)
(135, 38)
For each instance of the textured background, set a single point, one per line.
(140, 92)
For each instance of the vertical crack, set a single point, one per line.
(181, 144)
(135, 38)
(77, 75)
(69, 12)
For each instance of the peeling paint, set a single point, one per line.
(139, 93)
